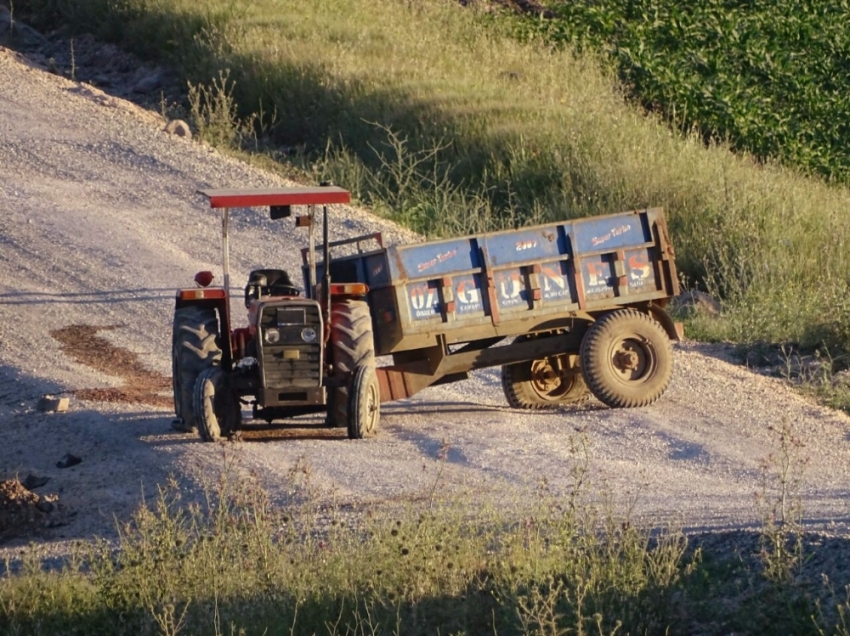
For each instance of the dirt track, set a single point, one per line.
(101, 221)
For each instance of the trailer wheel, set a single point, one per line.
(352, 347)
(626, 359)
(193, 349)
(536, 384)
(217, 409)
(364, 411)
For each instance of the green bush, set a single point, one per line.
(237, 564)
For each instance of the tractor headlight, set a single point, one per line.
(272, 336)
(308, 334)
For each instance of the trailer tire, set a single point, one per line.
(352, 347)
(531, 385)
(626, 359)
(194, 348)
(364, 411)
(217, 409)
(525, 386)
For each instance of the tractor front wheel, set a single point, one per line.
(352, 347)
(364, 411)
(216, 408)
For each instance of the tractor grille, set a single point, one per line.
(291, 362)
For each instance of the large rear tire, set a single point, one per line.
(194, 348)
(364, 411)
(352, 347)
(627, 359)
(217, 409)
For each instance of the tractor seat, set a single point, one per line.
(269, 282)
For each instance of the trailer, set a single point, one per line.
(560, 307)
(566, 309)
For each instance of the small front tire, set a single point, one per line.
(194, 348)
(352, 346)
(217, 410)
(364, 411)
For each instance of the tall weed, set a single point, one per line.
(233, 562)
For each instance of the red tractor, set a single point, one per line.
(299, 353)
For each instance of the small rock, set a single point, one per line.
(31, 482)
(44, 506)
(841, 378)
(178, 127)
(68, 461)
(695, 301)
(148, 83)
(51, 404)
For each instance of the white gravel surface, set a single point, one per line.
(100, 222)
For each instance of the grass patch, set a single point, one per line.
(232, 562)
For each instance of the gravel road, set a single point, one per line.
(101, 222)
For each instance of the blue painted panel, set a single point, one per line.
(377, 272)
(609, 234)
(598, 276)
(435, 259)
(510, 289)
(525, 246)
(555, 283)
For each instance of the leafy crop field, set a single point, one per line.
(772, 77)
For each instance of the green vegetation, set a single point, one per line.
(237, 564)
(234, 563)
(771, 76)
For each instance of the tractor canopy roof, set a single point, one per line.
(254, 197)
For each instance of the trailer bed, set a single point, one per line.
(512, 282)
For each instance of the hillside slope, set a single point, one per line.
(102, 221)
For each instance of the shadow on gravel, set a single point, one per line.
(426, 407)
(806, 593)
(18, 389)
(433, 448)
(76, 500)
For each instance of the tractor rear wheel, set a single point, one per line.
(364, 411)
(352, 347)
(193, 349)
(627, 359)
(217, 410)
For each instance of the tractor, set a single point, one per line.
(299, 353)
